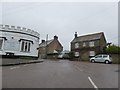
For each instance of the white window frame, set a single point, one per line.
(84, 44)
(2, 43)
(26, 47)
(92, 53)
(91, 44)
(77, 54)
(76, 45)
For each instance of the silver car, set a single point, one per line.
(101, 58)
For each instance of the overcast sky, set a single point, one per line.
(64, 18)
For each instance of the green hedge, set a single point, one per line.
(113, 49)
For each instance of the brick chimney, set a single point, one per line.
(55, 37)
(75, 34)
(43, 41)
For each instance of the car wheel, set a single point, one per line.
(106, 61)
(92, 61)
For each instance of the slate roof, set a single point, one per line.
(88, 37)
(44, 43)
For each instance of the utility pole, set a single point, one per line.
(46, 51)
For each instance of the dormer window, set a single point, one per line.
(76, 45)
(91, 44)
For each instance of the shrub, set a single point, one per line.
(113, 49)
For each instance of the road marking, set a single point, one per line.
(14, 67)
(18, 67)
(93, 83)
(78, 68)
(24, 65)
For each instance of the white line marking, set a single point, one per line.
(14, 67)
(24, 65)
(18, 67)
(78, 68)
(93, 83)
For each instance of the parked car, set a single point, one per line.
(101, 58)
(63, 56)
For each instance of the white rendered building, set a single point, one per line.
(18, 41)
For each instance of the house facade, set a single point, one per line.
(18, 41)
(86, 46)
(50, 48)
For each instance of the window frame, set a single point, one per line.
(91, 53)
(98, 56)
(2, 44)
(76, 45)
(84, 44)
(91, 43)
(25, 46)
(105, 56)
(76, 54)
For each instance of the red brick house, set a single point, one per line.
(50, 48)
(86, 46)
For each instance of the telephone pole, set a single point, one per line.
(46, 51)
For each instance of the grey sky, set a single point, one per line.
(64, 18)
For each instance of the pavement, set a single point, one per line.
(13, 61)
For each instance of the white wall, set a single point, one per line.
(13, 45)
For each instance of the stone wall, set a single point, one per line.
(115, 58)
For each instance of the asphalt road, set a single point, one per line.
(60, 74)
(0, 78)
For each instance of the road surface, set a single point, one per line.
(61, 74)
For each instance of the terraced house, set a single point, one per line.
(87, 46)
(50, 48)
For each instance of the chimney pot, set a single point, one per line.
(55, 37)
(43, 41)
(75, 34)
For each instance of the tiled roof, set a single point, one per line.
(44, 43)
(88, 37)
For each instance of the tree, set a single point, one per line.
(113, 49)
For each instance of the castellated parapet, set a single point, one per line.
(19, 29)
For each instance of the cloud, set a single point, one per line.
(63, 19)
